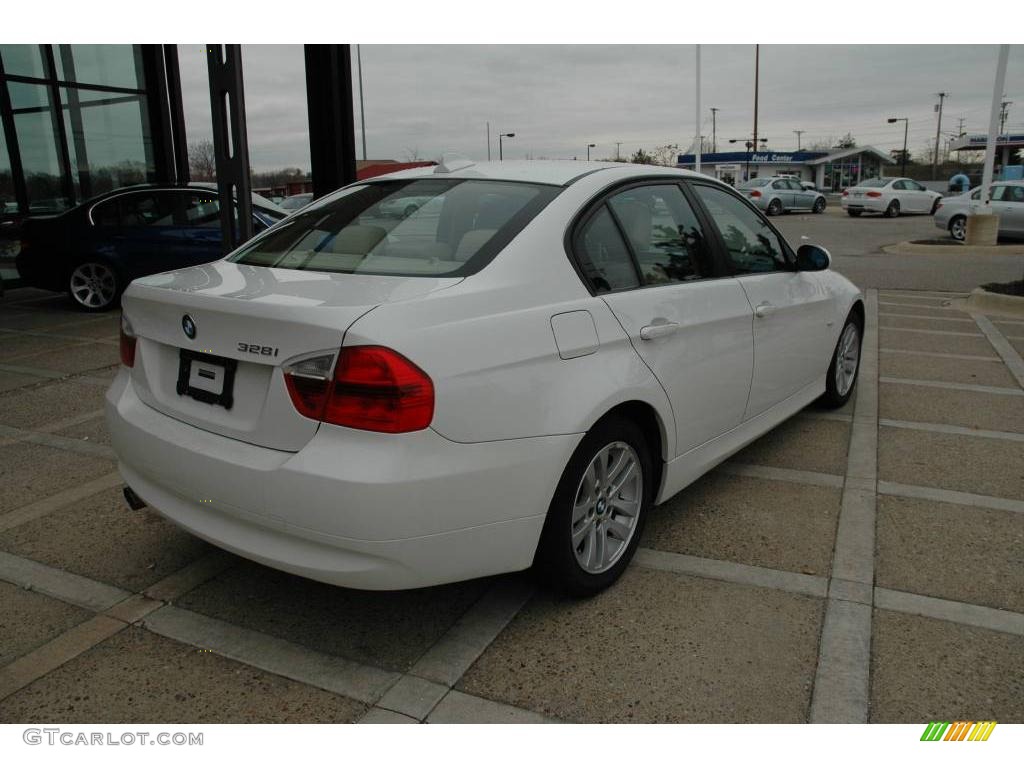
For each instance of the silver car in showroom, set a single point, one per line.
(1007, 202)
(779, 194)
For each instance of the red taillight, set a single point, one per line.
(873, 194)
(846, 193)
(373, 388)
(127, 343)
(755, 193)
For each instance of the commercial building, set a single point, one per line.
(828, 170)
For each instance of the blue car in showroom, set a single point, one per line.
(92, 251)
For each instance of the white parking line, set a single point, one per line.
(951, 385)
(280, 657)
(454, 653)
(778, 473)
(947, 355)
(1003, 347)
(949, 497)
(926, 317)
(950, 429)
(458, 707)
(950, 610)
(70, 444)
(63, 585)
(841, 680)
(57, 501)
(929, 331)
(734, 573)
(917, 305)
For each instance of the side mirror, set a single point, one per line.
(812, 258)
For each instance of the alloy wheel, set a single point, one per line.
(93, 285)
(958, 228)
(606, 507)
(847, 357)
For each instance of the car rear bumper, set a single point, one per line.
(870, 204)
(352, 508)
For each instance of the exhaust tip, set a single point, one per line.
(133, 499)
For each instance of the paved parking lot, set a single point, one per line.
(865, 565)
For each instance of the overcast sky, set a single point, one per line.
(557, 99)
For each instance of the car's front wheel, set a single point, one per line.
(94, 286)
(819, 205)
(845, 365)
(958, 228)
(598, 511)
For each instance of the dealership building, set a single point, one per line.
(833, 170)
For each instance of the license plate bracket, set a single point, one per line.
(218, 367)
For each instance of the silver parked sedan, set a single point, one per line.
(778, 194)
(1007, 202)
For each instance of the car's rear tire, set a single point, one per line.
(893, 210)
(819, 205)
(597, 515)
(958, 228)
(95, 285)
(845, 365)
(855, 214)
(774, 207)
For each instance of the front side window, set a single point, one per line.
(201, 210)
(423, 226)
(999, 193)
(603, 255)
(914, 186)
(1016, 194)
(663, 233)
(751, 244)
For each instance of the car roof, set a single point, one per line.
(556, 172)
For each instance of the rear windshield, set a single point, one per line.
(753, 183)
(874, 182)
(416, 227)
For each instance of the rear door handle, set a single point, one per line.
(764, 309)
(649, 332)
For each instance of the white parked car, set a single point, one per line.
(1007, 201)
(890, 197)
(389, 403)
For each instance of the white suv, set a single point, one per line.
(514, 373)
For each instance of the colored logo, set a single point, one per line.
(959, 730)
(188, 325)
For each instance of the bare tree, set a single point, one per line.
(412, 155)
(666, 155)
(202, 160)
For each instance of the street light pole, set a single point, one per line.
(757, 77)
(488, 141)
(903, 157)
(798, 134)
(938, 129)
(501, 155)
(714, 132)
(588, 151)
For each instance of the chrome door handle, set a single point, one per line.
(649, 332)
(764, 309)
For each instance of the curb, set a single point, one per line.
(983, 301)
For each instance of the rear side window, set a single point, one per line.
(603, 256)
(201, 210)
(416, 227)
(663, 233)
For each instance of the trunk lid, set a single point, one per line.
(253, 320)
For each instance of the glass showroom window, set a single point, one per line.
(36, 131)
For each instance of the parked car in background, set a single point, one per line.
(294, 202)
(389, 403)
(1007, 202)
(402, 206)
(93, 250)
(779, 194)
(889, 197)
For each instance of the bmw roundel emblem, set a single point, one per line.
(188, 325)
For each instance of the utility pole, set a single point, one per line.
(1004, 112)
(618, 145)
(362, 112)
(714, 132)
(798, 134)
(938, 128)
(700, 141)
(757, 76)
(960, 127)
(488, 141)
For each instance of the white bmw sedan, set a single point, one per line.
(889, 197)
(511, 376)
